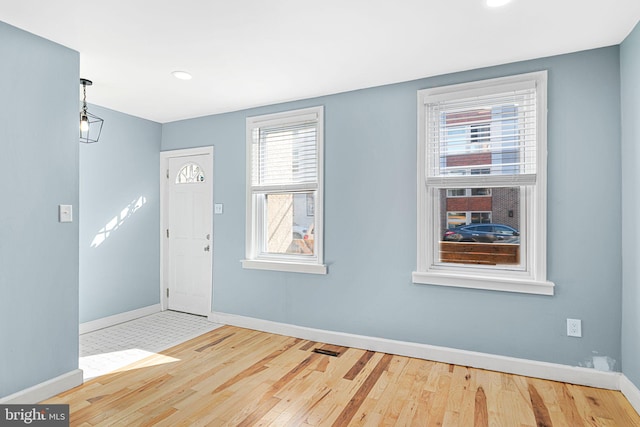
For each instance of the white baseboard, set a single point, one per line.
(511, 365)
(631, 392)
(45, 390)
(105, 322)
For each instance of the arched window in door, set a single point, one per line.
(190, 173)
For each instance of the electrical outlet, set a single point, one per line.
(574, 328)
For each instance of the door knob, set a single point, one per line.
(207, 248)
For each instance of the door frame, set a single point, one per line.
(164, 217)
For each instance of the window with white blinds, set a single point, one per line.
(285, 156)
(500, 129)
(284, 191)
(482, 160)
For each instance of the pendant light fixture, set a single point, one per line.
(90, 124)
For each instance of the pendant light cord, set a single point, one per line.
(84, 98)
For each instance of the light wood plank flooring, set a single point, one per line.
(239, 377)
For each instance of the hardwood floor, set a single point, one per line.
(239, 377)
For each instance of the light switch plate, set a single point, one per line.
(65, 213)
(217, 208)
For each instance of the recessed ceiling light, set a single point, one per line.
(182, 75)
(497, 3)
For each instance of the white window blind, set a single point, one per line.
(285, 156)
(485, 139)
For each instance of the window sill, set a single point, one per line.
(505, 284)
(291, 267)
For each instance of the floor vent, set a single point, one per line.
(326, 352)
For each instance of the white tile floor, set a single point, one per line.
(111, 348)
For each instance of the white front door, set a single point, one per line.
(188, 237)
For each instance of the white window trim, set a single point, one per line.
(287, 263)
(534, 244)
(292, 267)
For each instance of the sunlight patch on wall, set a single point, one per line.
(117, 221)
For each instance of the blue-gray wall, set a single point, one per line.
(370, 218)
(630, 89)
(38, 171)
(370, 223)
(120, 216)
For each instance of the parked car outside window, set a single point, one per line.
(482, 233)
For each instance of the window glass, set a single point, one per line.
(190, 173)
(480, 217)
(480, 191)
(288, 227)
(457, 192)
(455, 219)
(504, 205)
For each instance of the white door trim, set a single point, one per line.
(164, 192)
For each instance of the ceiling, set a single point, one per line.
(247, 53)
